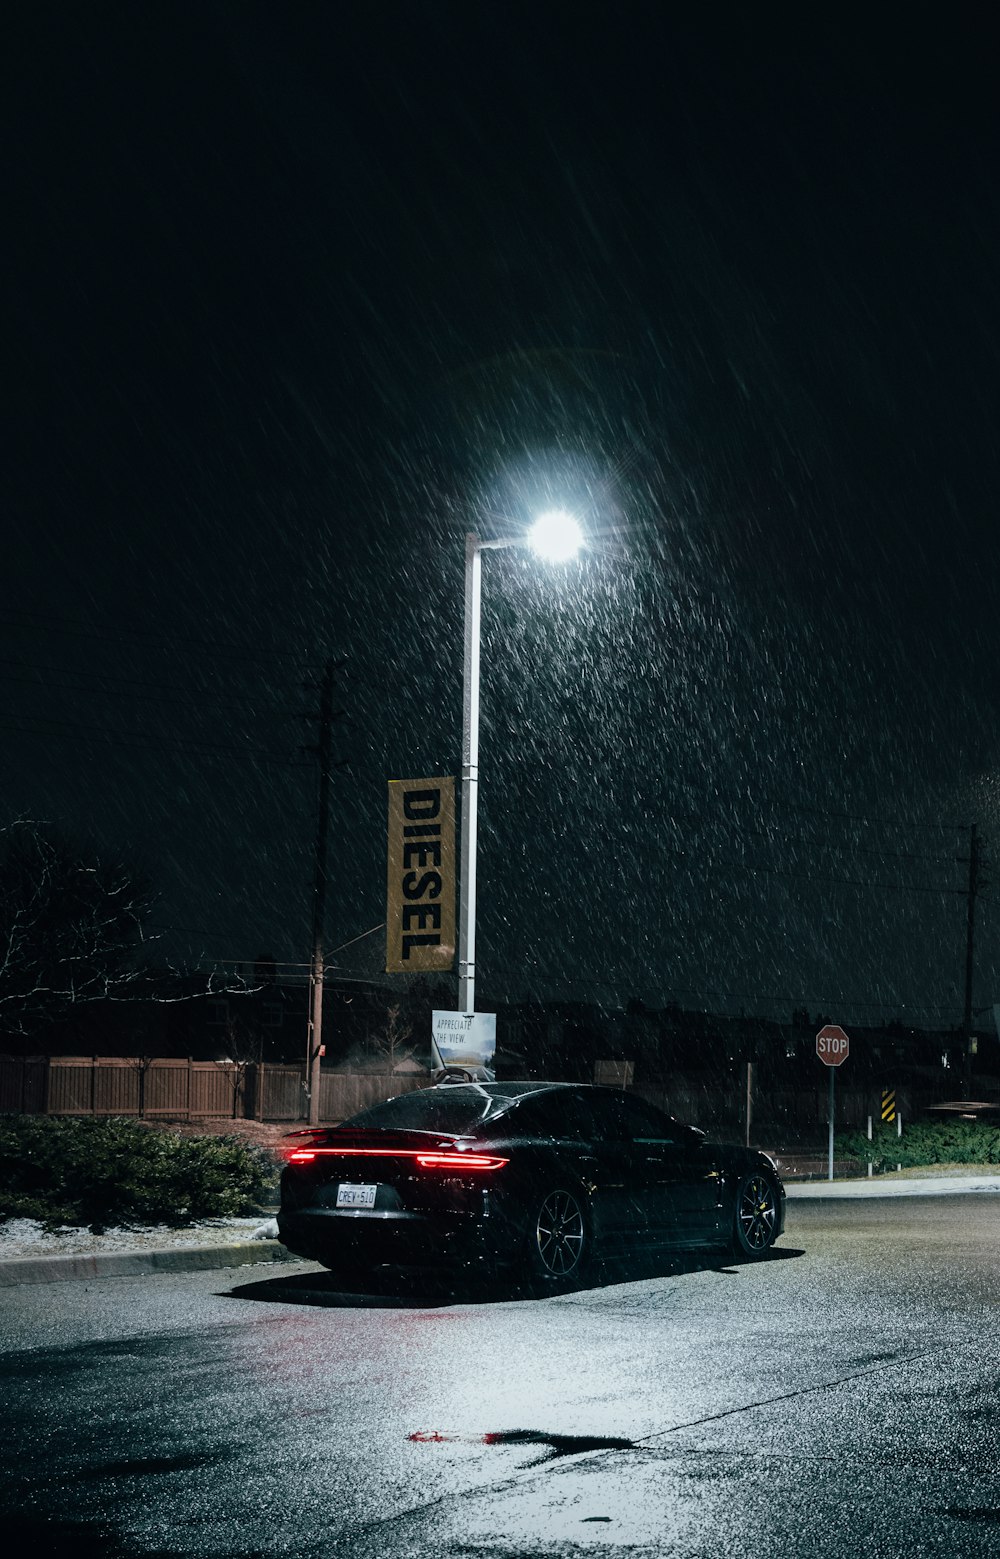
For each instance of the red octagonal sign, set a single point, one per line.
(832, 1045)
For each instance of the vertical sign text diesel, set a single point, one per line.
(420, 911)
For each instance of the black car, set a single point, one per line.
(536, 1175)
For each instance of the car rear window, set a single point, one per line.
(456, 1110)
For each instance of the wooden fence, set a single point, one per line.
(218, 1090)
(185, 1090)
(23, 1084)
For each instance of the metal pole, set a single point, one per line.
(869, 1139)
(833, 1071)
(470, 777)
(749, 1098)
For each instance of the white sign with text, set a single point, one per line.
(464, 1042)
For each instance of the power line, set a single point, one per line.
(359, 938)
(634, 979)
(300, 974)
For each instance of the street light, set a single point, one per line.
(555, 536)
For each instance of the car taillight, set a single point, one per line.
(459, 1161)
(425, 1160)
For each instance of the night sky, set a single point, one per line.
(299, 294)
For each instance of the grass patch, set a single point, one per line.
(116, 1172)
(946, 1171)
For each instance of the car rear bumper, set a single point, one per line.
(369, 1239)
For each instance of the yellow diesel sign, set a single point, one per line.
(420, 909)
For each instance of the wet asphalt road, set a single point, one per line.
(839, 1399)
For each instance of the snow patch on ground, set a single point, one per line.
(25, 1237)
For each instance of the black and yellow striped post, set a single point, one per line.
(888, 1105)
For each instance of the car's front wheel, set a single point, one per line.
(558, 1239)
(755, 1223)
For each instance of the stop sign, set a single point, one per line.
(832, 1045)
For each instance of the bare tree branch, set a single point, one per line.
(393, 1041)
(72, 931)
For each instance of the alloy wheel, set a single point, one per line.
(560, 1234)
(756, 1213)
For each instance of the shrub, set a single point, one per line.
(65, 1170)
(923, 1143)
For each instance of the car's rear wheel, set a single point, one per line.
(558, 1239)
(755, 1221)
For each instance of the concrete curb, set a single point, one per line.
(852, 1190)
(126, 1263)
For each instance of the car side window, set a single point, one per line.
(623, 1117)
(577, 1118)
(556, 1114)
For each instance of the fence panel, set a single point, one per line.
(345, 1093)
(213, 1084)
(11, 1084)
(71, 1085)
(167, 1089)
(116, 1085)
(283, 1094)
(341, 1094)
(22, 1084)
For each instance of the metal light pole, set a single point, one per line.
(555, 536)
(470, 776)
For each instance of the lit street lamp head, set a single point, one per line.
(555, 536)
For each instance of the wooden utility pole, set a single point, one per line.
(315, 1032)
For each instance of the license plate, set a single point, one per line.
(356, 1195)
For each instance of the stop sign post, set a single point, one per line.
(833, 1048)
